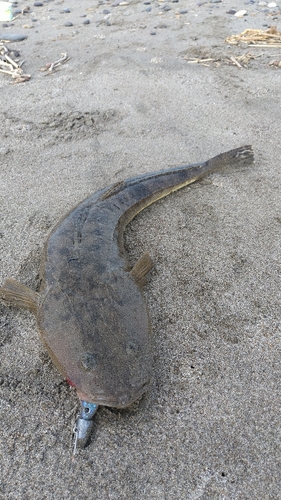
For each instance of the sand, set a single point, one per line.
(128, 102)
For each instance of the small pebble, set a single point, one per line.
(231, 11)
(153, 32)
(15, 53)
(83, 15)
(33, 19)
(106, 11)
(87, 21)
(66, 10)
(262, 4)
(146, 3)
(240, 13)
(183, 11)
(148, 9)
(5, 25)
(38, 4)
(68, 24)
(271, 4)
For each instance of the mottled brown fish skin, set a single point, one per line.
(91, 312)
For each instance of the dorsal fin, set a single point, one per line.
(112, 190)
(18, 295)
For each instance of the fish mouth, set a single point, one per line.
(122, 401)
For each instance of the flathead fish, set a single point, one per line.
(90, 309)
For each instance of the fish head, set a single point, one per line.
(100, 340)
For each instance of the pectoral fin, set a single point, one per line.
(141, 268)
(18, 295)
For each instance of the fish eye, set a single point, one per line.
(132, 348)
(88, 361)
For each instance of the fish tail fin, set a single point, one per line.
(239, 157)
(19, 295)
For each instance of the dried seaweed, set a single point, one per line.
(239, 61)
(259, 38)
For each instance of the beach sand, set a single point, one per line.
(128, 102)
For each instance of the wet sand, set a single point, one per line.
(128, 102)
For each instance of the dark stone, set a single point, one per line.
(12, 37)
(87, 21)
(68, 24)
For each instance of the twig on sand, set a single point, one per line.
(239, 61)
(193, 60)
(53, 67)
(9, 66)
(235, 62)
(275, 63)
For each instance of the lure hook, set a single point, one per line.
(84, 425)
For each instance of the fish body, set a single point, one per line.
(92, 315)
(90, 310)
